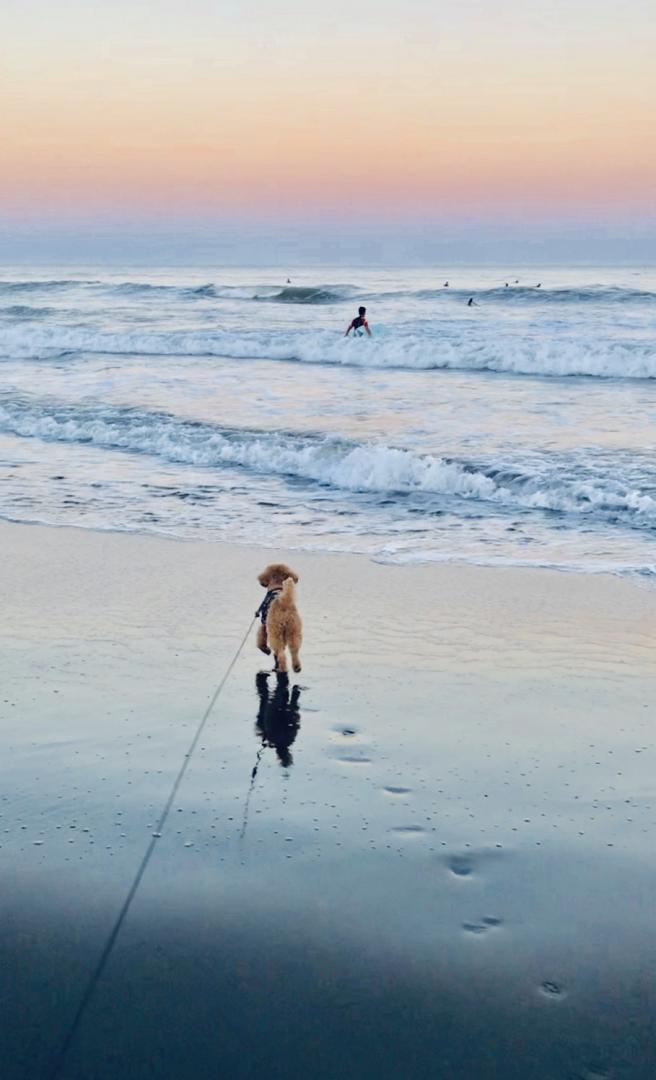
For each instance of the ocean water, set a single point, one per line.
(227, 405)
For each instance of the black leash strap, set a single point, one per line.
(120, 919)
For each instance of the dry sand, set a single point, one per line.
(434, 859)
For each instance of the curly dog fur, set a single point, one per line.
(283, 628)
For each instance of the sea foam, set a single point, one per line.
(338, 463)
(457, 349)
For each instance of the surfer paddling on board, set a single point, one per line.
(358, 324)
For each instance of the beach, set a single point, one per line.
(389, 321)
(431, 859)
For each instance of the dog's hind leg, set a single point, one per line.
(281, 661)
(296, 660)
(278, 645)
(262, 643)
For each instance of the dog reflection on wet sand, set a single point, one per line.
(279, 717)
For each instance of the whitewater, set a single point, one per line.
(227, 405)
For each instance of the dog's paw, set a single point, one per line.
(297, 668)
(265, 649)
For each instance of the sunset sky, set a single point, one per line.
(375, 118)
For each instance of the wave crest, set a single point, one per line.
(46, 285)
(280, 294)
(517, 294)
(454, 349)
(326, 460)
(288, 294)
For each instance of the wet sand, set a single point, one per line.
(430, 855)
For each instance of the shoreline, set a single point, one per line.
(630, 574)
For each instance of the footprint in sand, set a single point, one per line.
(345, 730)
(351, 751)
(460, 865)
(489, 922)
(465, 864)
(408, 831)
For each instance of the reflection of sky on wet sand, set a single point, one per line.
(455, 867)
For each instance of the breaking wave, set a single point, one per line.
(454, 348)
(335, 462)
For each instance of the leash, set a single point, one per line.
(244, 824)
(120, 919)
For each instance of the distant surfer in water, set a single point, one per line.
(358, 324)
(471, 302)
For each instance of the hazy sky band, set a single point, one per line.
(277, 109)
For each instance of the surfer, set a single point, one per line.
(471, 302)
(358, 324)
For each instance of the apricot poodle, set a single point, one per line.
(280, 626)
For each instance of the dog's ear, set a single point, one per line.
(294, 576)
(265, 577)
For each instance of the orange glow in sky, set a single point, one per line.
(411, 108)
